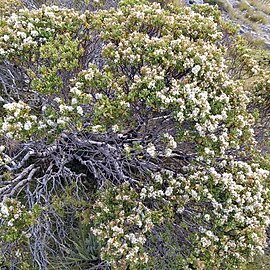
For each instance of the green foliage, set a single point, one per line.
(58, 55)
(81, 250)
(15, 225)
(165, 243)
(121, 220)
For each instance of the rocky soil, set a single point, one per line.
(257, 30)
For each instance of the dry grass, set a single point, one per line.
(243, 6)
(235, 13)
(256, 16)
(262, 5)
(253, 13)
(261, 263)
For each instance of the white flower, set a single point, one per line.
(195, 70)
(5, 37)
(57, 99)
(79, 110)
(78, 84)
(89, 75)
(74, 101)
(168, 191)
(205, 242)
(117, 229)
(2, 148)
(61, 121)
(9, 106)
(152, 84)
(143, 192)
(34, 33)
(21, 34)
(194, 194)
(27, 125)
(18, 253)
(10, 223)
(158, 178)
(173, 144)
(98, 96)
(124, 103)
(4, 210)
(180, 210)
(115, 128)
(65, 108)
(180, 117)
(168, 152)
(50, 123)
(126, 148)
(76, 91)
(9, 135)
(151, 150)
(96, 128)
(28, 40)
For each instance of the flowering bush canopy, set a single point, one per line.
(138, 116)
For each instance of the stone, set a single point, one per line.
(197, 2)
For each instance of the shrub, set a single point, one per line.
(134, 115)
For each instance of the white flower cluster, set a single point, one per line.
(171, 144)
(19, 123)
(18, 120)
(7, 208)
(122, 223)
(200, 92)
(243, 212)
(13, 220)
(28, 29)
(70, 111)
(151, 150)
